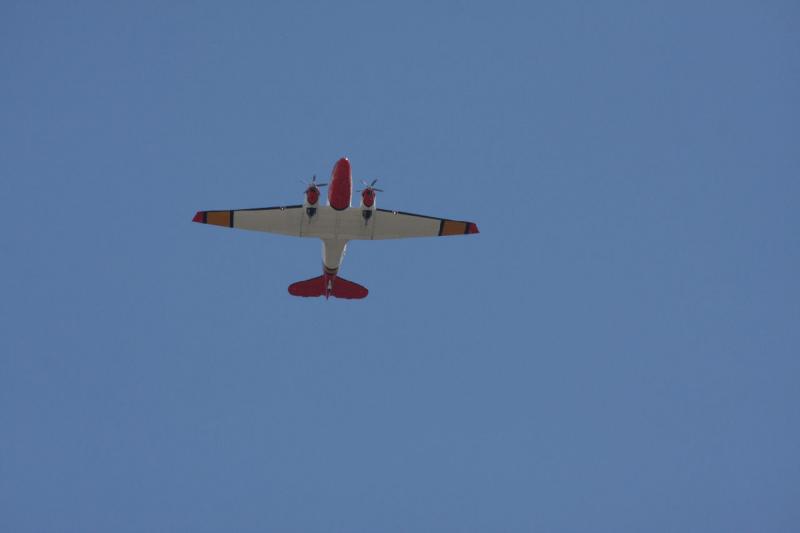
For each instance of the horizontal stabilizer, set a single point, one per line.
(308, 288)
(340, 288)
(343, 288)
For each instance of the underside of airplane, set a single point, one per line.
(335, 224)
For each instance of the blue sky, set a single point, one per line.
(616, 351)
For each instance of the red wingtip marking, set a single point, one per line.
(198, 217)
(473, 228)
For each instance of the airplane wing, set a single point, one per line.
(284, 220)
(400, 225)
(328, 223)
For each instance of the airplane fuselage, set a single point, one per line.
(340, 194)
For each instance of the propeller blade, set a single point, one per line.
(370, 186)
(313, 182)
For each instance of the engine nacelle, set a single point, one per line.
(367, 204)
(368, 198)
(312, 195)
(311, 200)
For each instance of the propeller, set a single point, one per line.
(313, 183)
(370, 186)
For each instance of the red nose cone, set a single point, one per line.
(342, 169)
(341, 186)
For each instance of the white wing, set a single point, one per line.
(285, 220)
(399, 225)
(328, 223)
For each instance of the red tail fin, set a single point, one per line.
(309, 287)
(343, 288)
(340, 288)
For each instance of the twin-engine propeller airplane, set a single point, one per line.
(336, 224)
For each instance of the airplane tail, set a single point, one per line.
(343, 288)
(339, 288)
(308, 288)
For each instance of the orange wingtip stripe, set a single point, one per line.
(453, 227)
(218, 218)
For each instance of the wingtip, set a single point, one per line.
(472, 228)
(198, 217)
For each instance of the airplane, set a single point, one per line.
(336, 223)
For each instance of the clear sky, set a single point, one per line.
(616, 351)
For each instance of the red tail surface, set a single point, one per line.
(309, 287)
(343, 288)
(328, 286)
